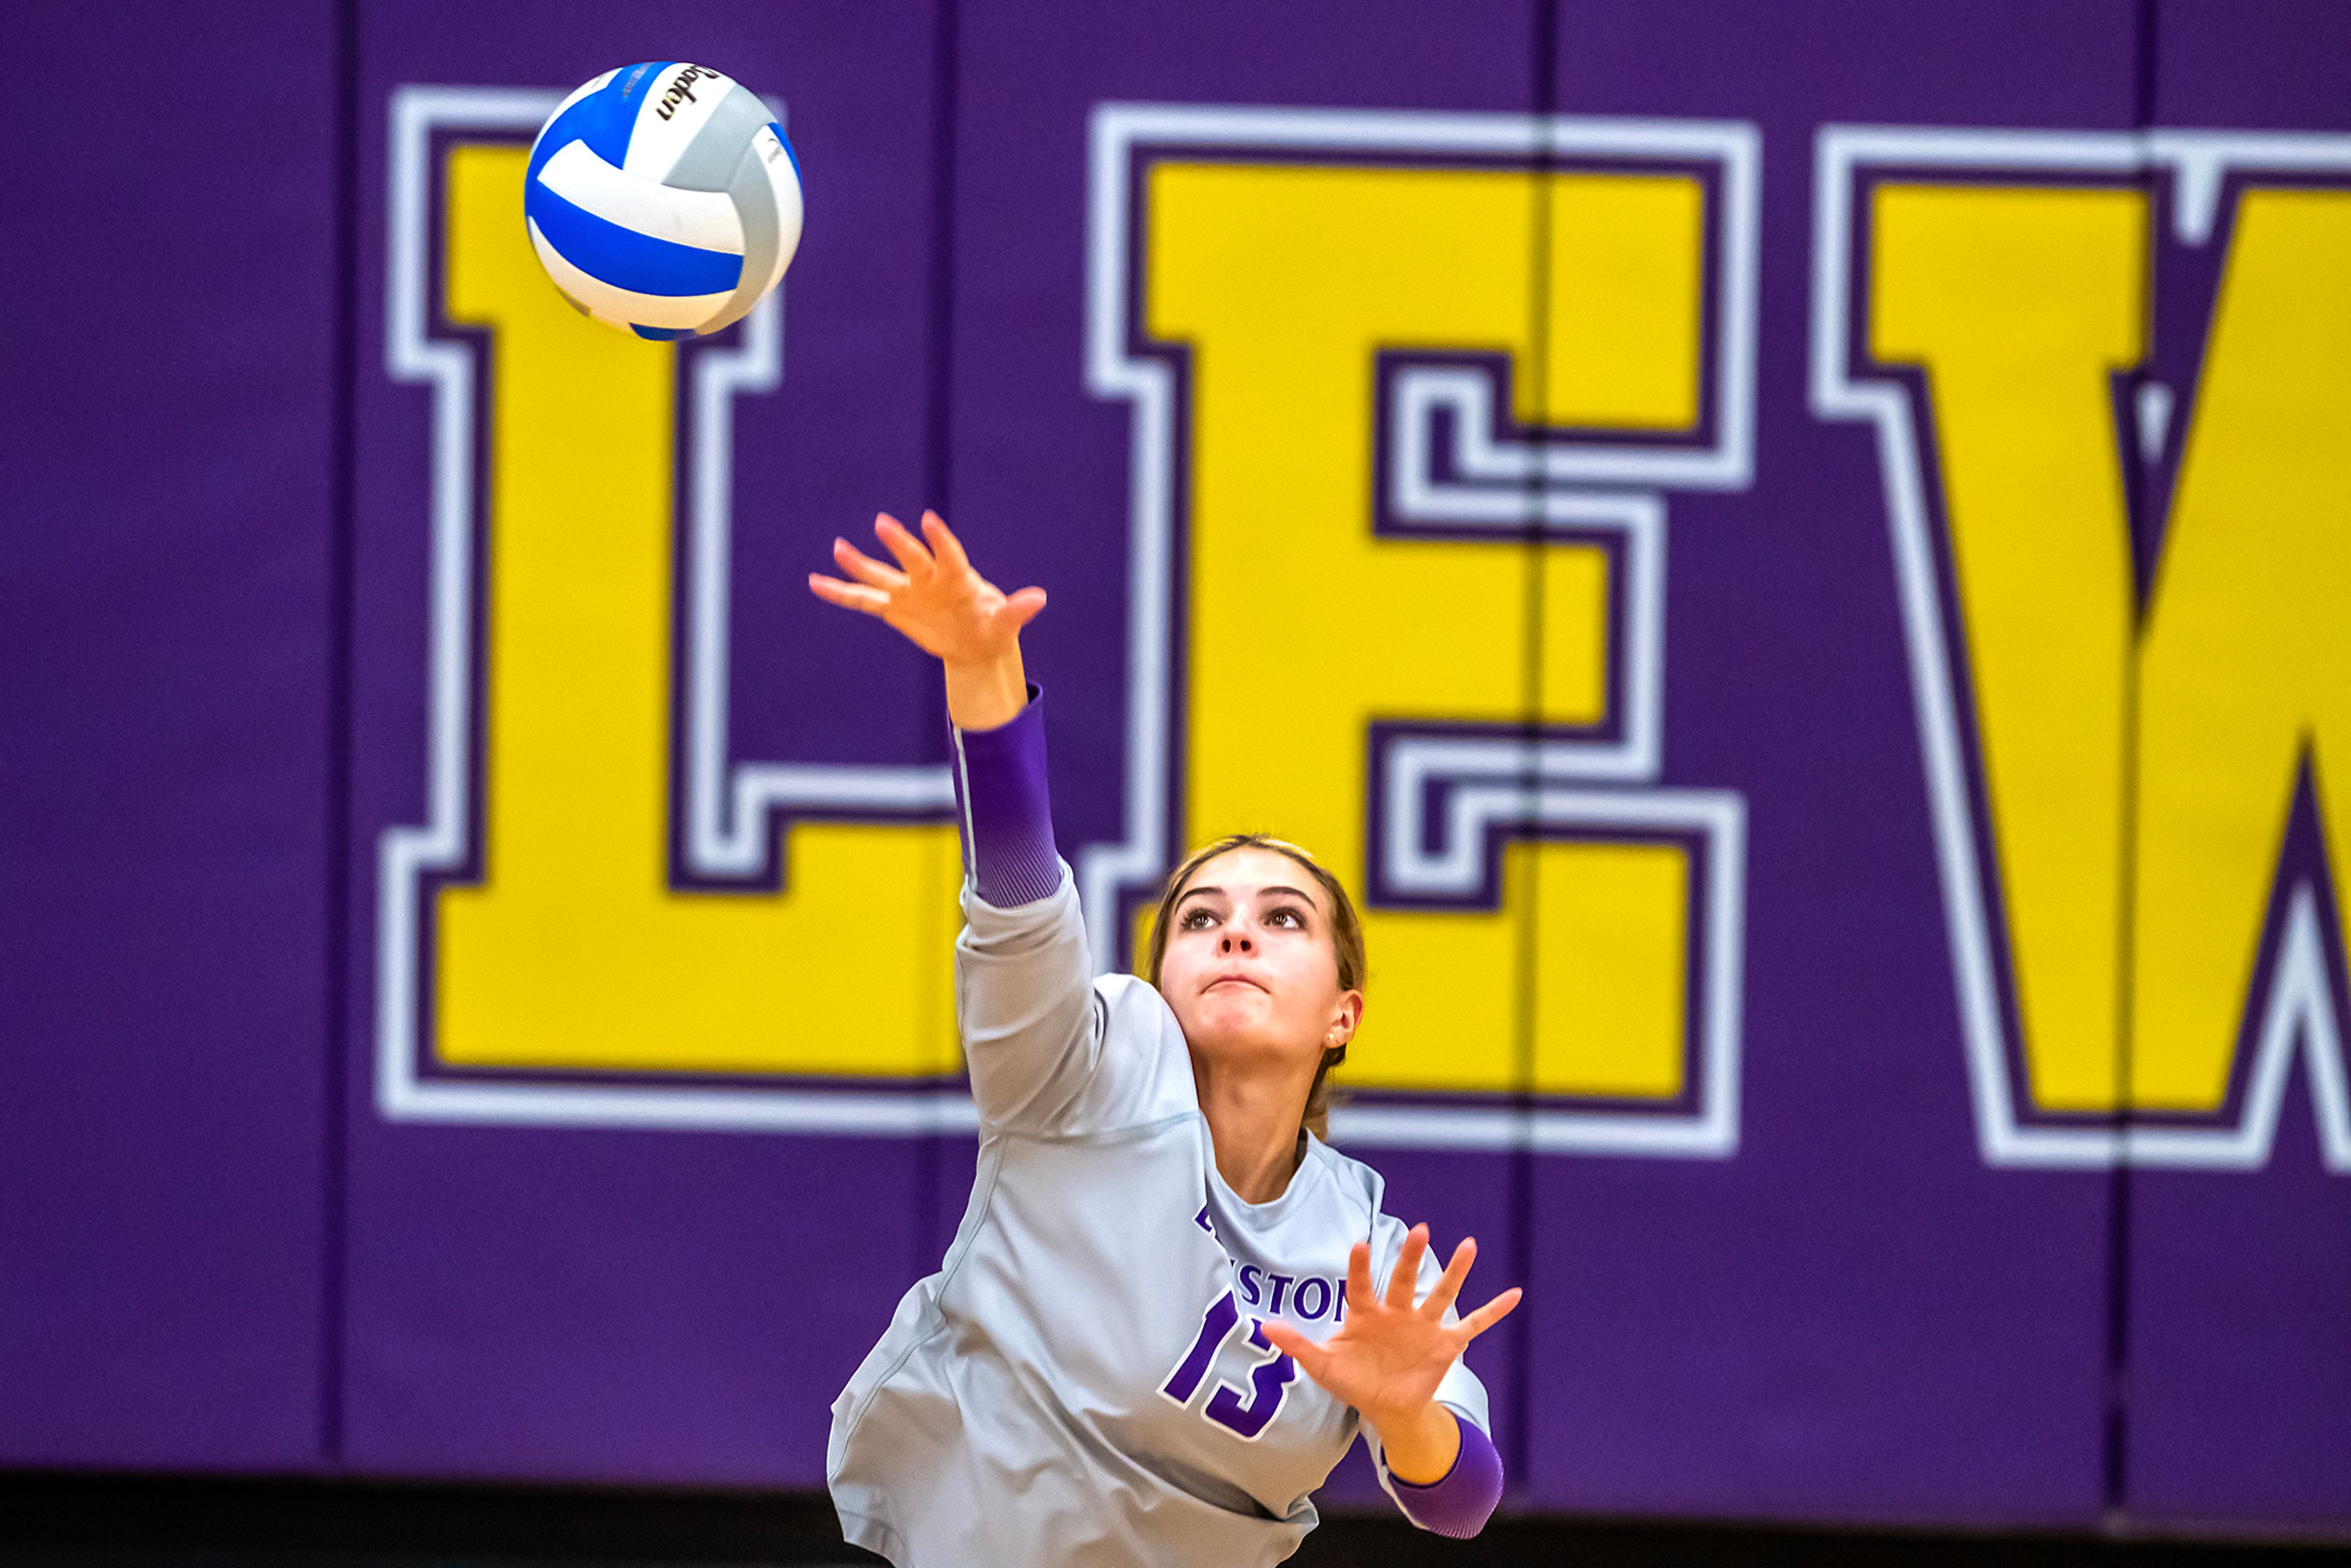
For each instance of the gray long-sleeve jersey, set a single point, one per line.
(1082, 1381)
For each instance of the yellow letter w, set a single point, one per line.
(2134, 769)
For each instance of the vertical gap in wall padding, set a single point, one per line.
(2137, 494)
(1514, 1430)
(938, 476)
(342, 370)
(938, 455)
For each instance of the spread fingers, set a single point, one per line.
(848, 595)
(864, 567)
(1448, 1285)
(1407, 1273)
(1492, 1312)
(944, 544)
(905, 546)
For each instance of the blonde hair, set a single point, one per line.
(1346, 944)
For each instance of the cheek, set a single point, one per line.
(1178, 975)
(1176, 966)
(1307, 988)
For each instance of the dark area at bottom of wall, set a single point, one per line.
(51, 1519)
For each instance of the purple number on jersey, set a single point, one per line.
(1268, 1380)
(1269, 1385)
(1223, 1314)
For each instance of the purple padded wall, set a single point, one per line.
(1855, 1318)
(165, 642)
(2239, 1283)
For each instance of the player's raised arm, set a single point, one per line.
(1024, 995)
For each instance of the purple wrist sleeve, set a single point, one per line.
(1003, 810)
(1458, 1503)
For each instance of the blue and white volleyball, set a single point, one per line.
(664, 199)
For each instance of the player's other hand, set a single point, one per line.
(1389, 1352)
(939, 602)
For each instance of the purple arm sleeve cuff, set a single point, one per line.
(1458, 1503)
(1002, 808)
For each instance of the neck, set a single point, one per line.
(1253, 1119)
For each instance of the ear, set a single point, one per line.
(1344, 1018)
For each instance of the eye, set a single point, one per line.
(1287, 914)
(1195, 919)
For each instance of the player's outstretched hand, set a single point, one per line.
(933, 596)
(1389, 1352)
(938, 601)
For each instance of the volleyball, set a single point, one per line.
(664, 199)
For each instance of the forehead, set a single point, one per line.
(1241, 871)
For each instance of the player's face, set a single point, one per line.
(1251, 971)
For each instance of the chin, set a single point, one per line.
(1234, 1040)
(1231, 1018)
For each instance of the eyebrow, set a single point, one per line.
(1276, 888)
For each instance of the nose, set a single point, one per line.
(1233, 941)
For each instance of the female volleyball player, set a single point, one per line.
(1103, 1371)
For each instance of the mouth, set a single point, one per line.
(1230, 980)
